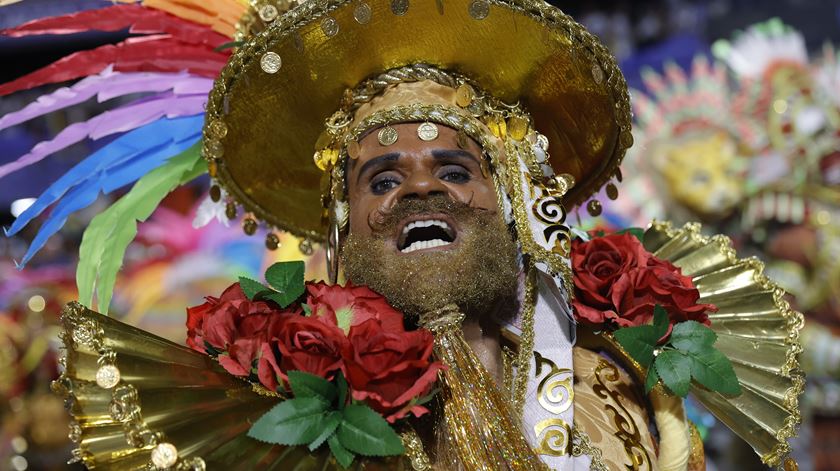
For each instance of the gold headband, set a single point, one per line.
(424, 94)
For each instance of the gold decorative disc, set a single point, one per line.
(362, 13)
(427, 131)
(387, 136)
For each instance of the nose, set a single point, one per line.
(422, 185)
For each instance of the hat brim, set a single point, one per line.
(522, 50)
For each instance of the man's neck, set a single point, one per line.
(485, 340)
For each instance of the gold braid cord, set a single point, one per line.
(526, 345)
(479, 430)
(582, 446)
(370, 88)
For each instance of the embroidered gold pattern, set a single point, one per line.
(554, 437)
(628, 431)
(414, 451)
(555, 392)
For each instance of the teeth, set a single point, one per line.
(424, 244)
(432, 222)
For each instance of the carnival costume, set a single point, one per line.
(518, 77)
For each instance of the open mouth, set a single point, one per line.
(425, 234)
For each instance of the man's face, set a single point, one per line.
(425, 226)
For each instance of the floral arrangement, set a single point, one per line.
(339, 357)
(652, 310)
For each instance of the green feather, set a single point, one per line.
(107, 237)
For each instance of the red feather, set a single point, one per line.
(138, 19)
(161, 53)
(171, 45)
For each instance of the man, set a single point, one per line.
(426, 230)
(431, 124)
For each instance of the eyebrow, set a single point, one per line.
(391, 157)
(394, 156)
(454, 154)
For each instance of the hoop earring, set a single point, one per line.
(332, 252)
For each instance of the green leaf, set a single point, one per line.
(307, 311)
(330, 424)
(108, 235)
(287, 279)
(211, 350)
(365, 432)
(661, 320)
(342, 455)
(308, 385)
(651, 379)
(292, 422)
(692, 336)
(427, 397)
(713, 370)
(674, 368)
(252, 288)
(639, 342)
(636, 232)
(342, 390)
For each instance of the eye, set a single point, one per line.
(383, 183)
(455, 174)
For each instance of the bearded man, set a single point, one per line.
(431, 125)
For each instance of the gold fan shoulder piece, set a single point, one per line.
(140, 402)
(756, 330)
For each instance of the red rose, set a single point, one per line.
(241, 355)
(235, 324)
(618, 283)
(309, 344)
(195, 323)
(388, 369)
(598, 263)
(635, 294)
(360, 302)
(220, 321)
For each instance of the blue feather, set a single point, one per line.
(135, 146)
(116, 165)
(76, 199)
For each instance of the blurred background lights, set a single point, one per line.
(37, 303)
(19, 445)
(19, 463)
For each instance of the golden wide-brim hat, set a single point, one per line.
(270, 103)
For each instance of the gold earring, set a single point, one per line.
(339, 216)
(332, 252)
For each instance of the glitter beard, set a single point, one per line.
(478, 274)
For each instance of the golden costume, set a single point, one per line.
(518, 77)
